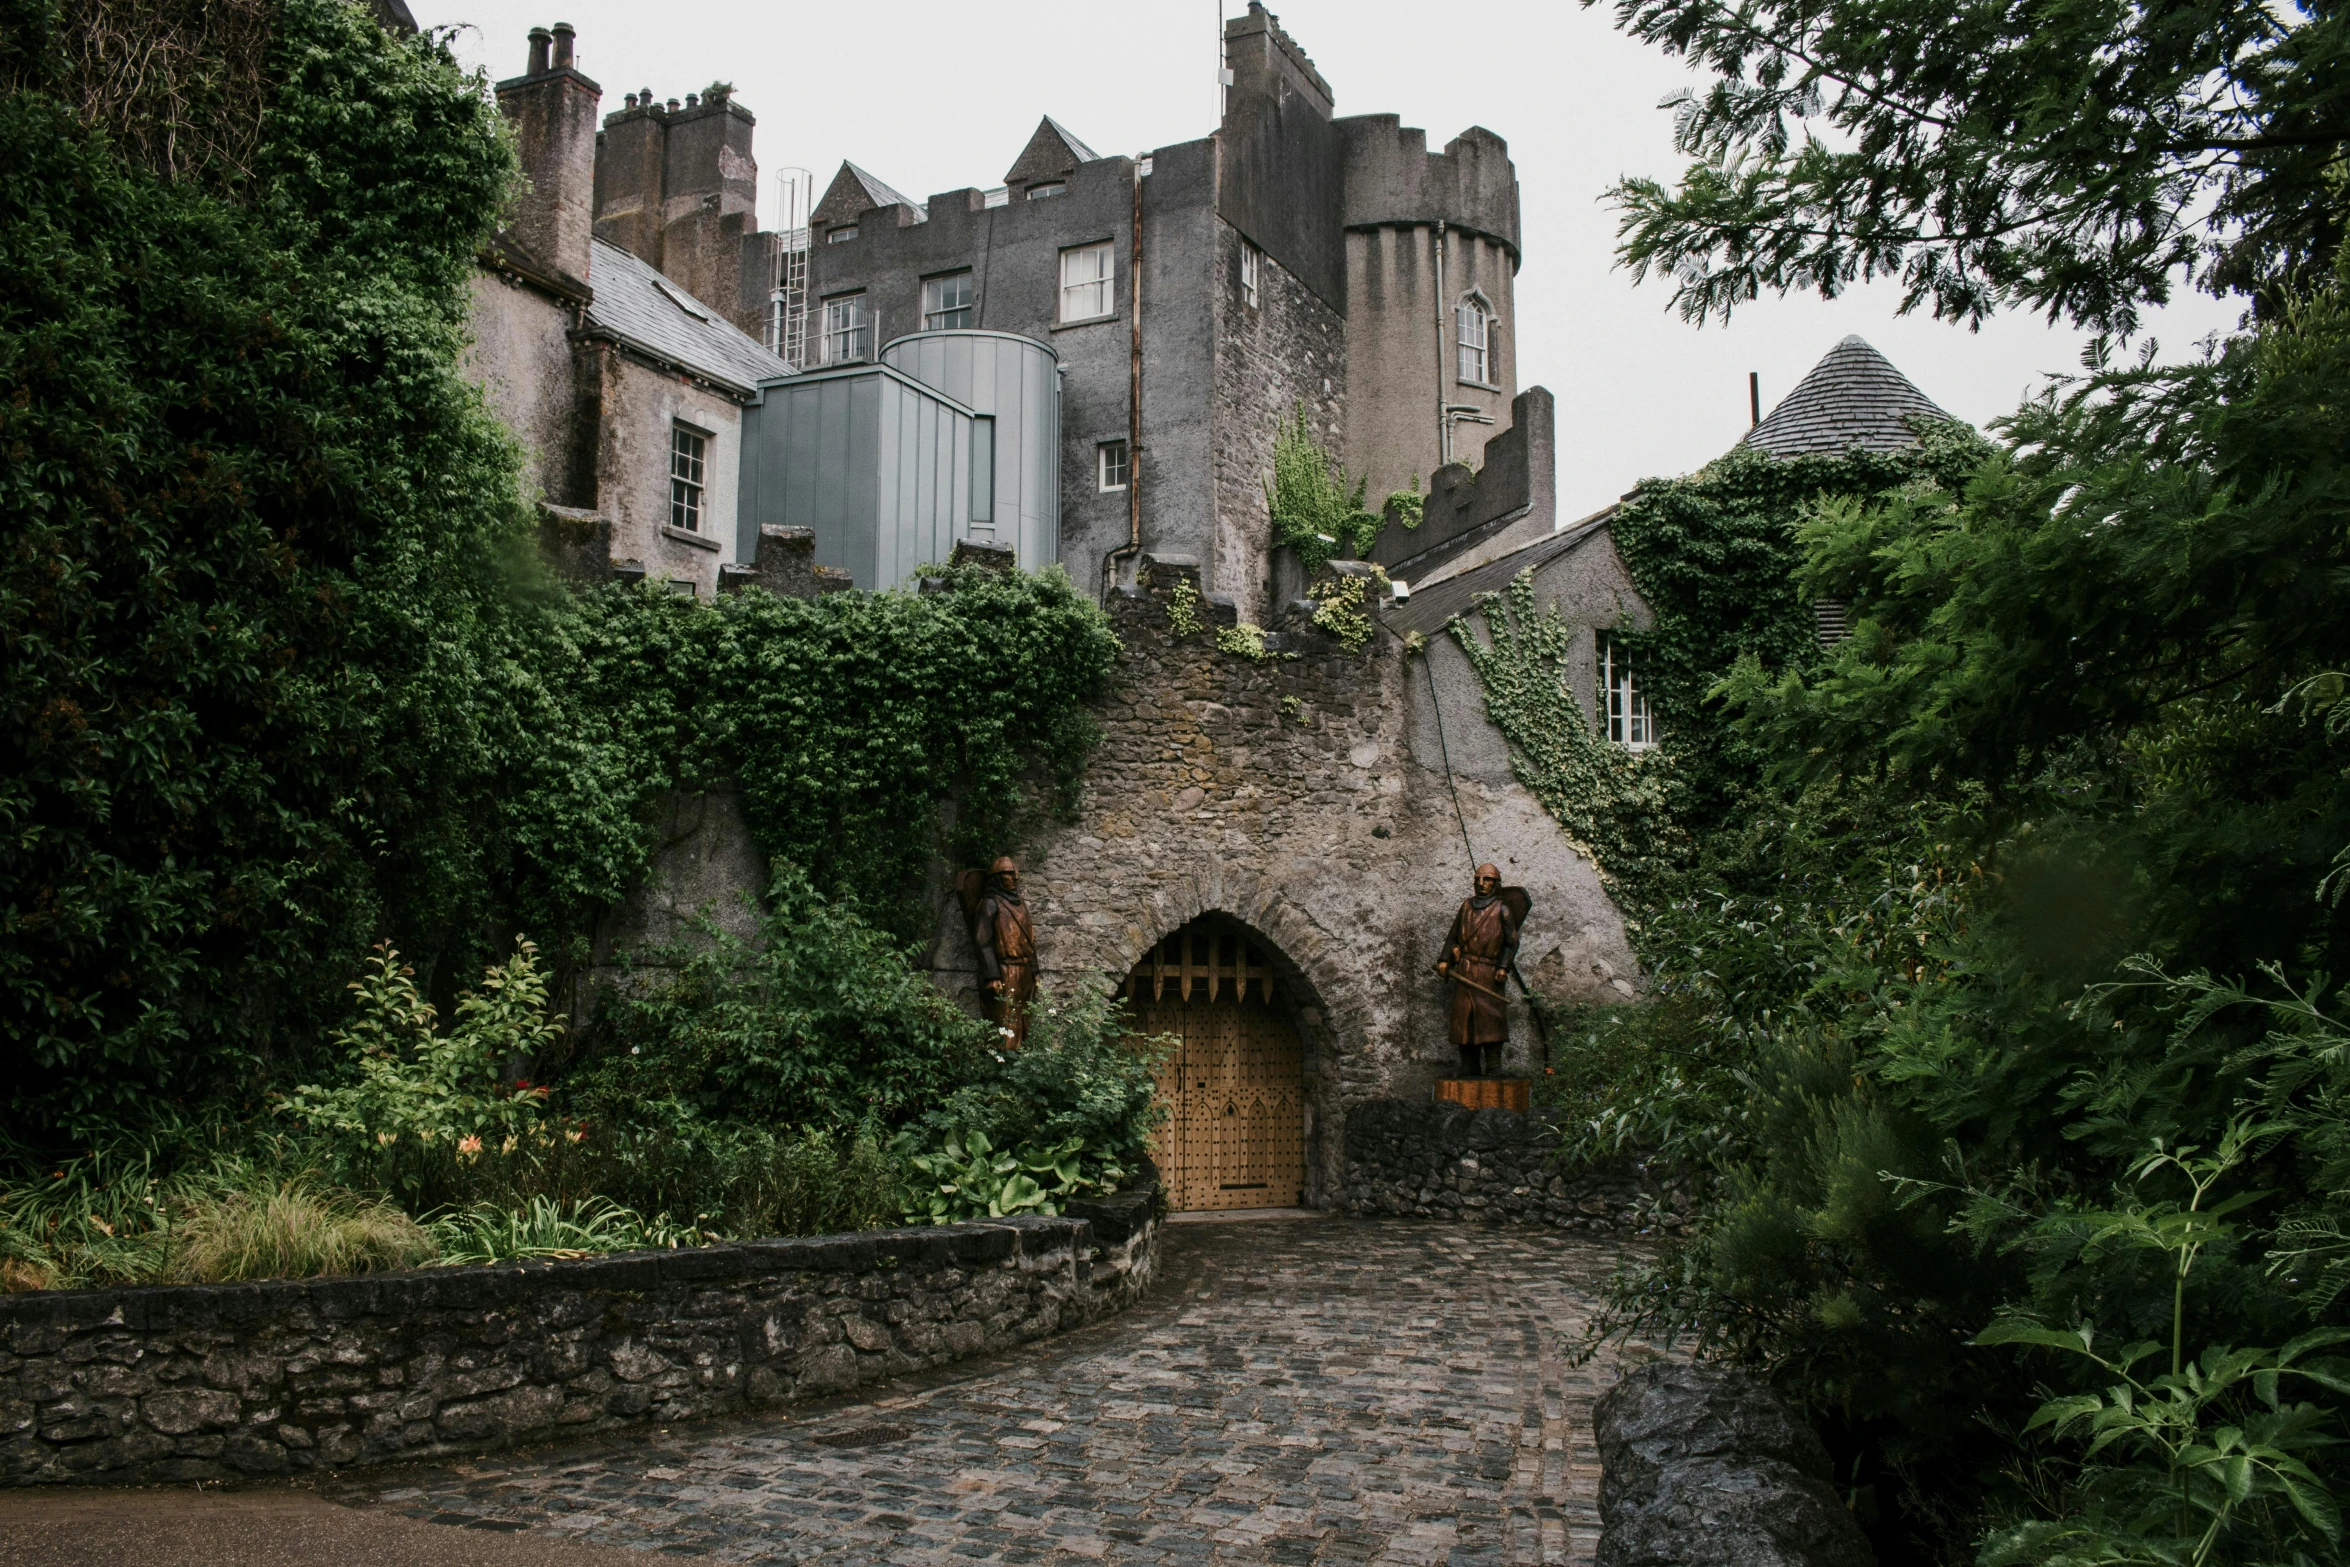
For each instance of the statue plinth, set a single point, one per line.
(1488, 1093)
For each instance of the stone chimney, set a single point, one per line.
(677, 185)
(553, 110)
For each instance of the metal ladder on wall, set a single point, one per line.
(787, 294)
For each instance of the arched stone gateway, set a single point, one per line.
(1235, 1083)
(1304, 802)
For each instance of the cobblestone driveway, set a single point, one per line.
(1296, 1391)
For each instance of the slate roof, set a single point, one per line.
(854, 191)
(1051, 152)
(1431, 607)
(648, 312)
(1853, 397)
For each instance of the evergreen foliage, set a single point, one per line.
(257, 529)
(2026, 1119)
(2000, 1001)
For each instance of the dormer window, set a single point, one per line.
(1048, 188)
(1473, 332)
(841, 234)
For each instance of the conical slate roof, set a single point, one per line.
(854, 191)
(1051, 153)
(1853, 397)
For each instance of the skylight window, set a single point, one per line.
(682, 300)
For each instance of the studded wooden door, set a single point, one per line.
(1235, 1090)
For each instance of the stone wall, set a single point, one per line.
(1290, 793)
(220, 1381)
(1284, 353)
(1438, 1160)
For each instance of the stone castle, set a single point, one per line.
(1086, 365)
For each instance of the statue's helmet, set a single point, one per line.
(1004, 865)
(1488, 873)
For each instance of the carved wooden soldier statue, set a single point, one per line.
(1477, 958)
(1006, 945)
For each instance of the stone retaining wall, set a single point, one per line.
(1442, 1160)
(202, 1381)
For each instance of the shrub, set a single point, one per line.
(1072, 1111)
(259, 533)
(823, 1021)
(423, 1087)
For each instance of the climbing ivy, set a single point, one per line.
(1619, 807)
(1714, 555)
(282, 673)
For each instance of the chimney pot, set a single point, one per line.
(673, 106)
(563, 37)
(693, 100)
(538, 52)
(632, 100)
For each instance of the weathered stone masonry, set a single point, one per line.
(217, 1381)
(1289, 793)
(1443, 1161)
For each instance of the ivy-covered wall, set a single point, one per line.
(1712, 560)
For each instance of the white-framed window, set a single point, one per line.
(1250, 256)
(1088, 283)
(1110, 466)
(1048, 189)
(689, 452)
(848, 330)
(840, 234)
(1473, 331)
(1630, 722)
(947, 302)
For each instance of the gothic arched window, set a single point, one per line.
(1473, 332)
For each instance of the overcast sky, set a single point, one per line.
(932, 96)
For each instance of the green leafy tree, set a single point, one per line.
(2081, 159)
(257, 532)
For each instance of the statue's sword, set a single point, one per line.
(1473, 985)
(1532, 1011)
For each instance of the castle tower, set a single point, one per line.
(1431, 264)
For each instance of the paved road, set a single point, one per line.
(1297, 1391)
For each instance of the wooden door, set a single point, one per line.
(1235, 1091)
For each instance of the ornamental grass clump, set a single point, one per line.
(122, 1215)
(292, 1229)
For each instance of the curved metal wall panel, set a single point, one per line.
(1016, 382)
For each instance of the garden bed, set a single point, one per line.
(223, 1381)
